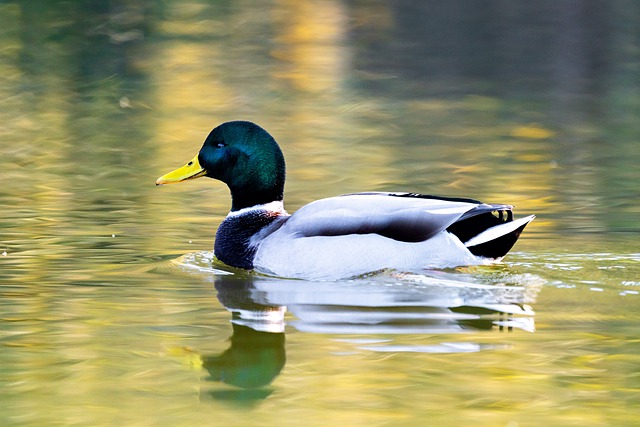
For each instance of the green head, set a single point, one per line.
(242, 155)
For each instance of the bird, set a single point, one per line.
(339, 237)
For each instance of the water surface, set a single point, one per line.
(113, 312)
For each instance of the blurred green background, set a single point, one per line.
(530, 103)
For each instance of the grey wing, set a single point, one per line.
(392, 215)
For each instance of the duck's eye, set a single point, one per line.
(221, 144)
(190, 163)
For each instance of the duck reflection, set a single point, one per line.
(257, 354)
(364, 312)
(398, 304)
(252, 362)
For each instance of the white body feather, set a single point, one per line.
(298, 248)
(332, 257)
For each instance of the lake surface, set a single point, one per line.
(114, 312)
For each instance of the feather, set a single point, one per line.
(406, 220)
(498, 231)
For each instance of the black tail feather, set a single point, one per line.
(499, 247)
(472, 226)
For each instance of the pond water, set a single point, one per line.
(114, 312)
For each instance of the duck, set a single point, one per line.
(339, 237)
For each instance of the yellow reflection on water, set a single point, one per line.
(309, 44)
(96, 324)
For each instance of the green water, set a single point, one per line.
(112, 311)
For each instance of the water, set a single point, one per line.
(112, 311)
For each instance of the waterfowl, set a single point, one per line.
(343, 236)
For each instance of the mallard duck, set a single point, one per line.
(343, 236)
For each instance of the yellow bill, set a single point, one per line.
(191, 170)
